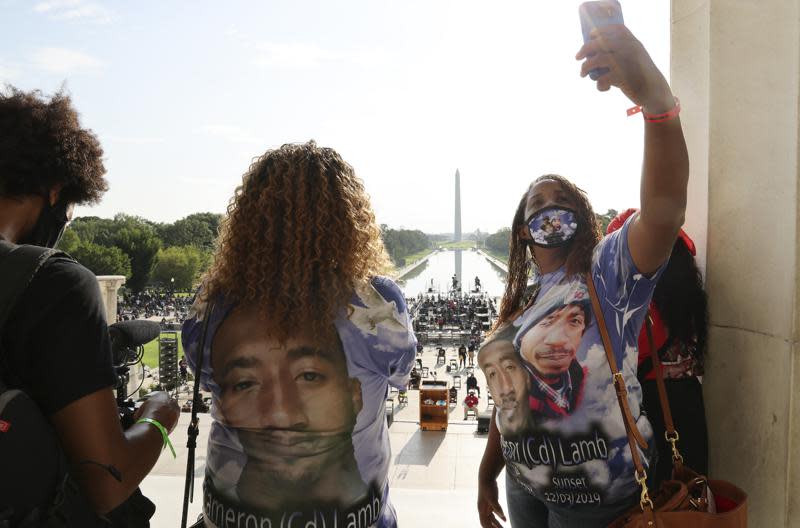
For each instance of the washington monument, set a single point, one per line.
(457, 230)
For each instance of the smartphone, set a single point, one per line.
(595, 15)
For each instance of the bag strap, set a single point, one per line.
(193, 431)
(669, 427)
(18, 265)
(632, 432)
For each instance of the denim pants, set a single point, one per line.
(526, 511)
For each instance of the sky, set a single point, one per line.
(183, 95)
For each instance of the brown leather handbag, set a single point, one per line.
(688, 500)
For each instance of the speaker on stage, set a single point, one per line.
(168, 375)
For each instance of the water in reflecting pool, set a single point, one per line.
(437, 273)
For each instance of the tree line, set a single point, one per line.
(175, 255)
(400, 243)
(167, 255)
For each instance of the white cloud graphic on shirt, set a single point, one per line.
(376, 313)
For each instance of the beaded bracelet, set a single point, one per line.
(163, 430)
(657, 118)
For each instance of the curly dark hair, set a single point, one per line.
(43, 145)
(579, 258)
(681, 300)
(299, 237)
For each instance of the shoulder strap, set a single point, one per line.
(669, 428)
(634, 436)
(18, 265)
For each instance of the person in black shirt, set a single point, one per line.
(472, 384)
(55, 344)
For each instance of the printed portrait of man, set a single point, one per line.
(508, 381)
(549, 347)
(294, 408)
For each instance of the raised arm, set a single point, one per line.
(665, 169)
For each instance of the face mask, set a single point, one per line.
(49, 226)
(552, 226)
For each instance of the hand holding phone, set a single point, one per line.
(613, 56)
(598, 14)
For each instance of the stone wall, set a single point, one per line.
(735, 69)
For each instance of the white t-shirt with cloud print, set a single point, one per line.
(310, 477)
(573, 453)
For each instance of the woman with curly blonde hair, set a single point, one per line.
(303, 338)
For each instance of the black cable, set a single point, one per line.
(192, 431)
(140, 384)
(108, 467)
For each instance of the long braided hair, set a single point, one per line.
(522, 262)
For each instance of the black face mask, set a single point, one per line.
(49, 226)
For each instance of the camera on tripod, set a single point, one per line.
(127, 349)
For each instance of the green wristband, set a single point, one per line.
(164, 433)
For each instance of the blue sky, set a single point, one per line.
(184, 94)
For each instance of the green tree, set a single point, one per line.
(402, 242)
(69, 241)
(605, 219)
(499, 242)
(102, 260)
(94, 229)
(206, 259)
(199, 230)
(138, 239)
(180, 263)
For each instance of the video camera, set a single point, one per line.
(127, 348)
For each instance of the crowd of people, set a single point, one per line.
(459, 312)
(162, 304)
(297, 336)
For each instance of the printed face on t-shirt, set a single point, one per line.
(551, 345)
(296, 386)
(293, 405)
(508, 383)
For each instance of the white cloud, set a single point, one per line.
(8, 72)
(75, 10)
(203, 180)
(62, 60)
(136, 140)
(230, 133)
(302, 55)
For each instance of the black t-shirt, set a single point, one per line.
(55, 341)
(55, 346)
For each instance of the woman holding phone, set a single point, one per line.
(571, 465)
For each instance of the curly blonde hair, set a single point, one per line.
(579, 258)
(298, 238)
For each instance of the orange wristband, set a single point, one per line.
(657, 118)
